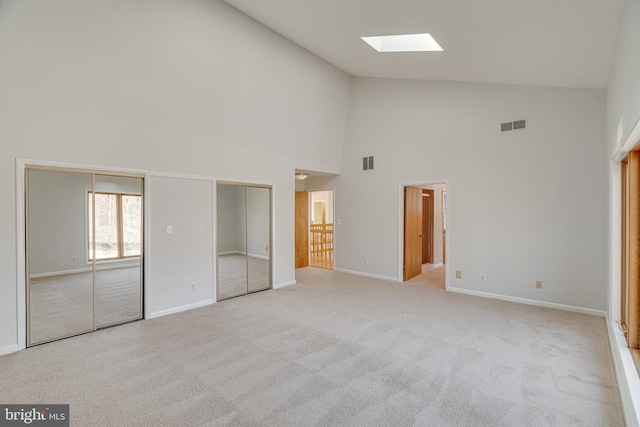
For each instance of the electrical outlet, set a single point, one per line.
(458, 274)
(193, 286)
(73, 259)
(538, 284)
(483, 277)
(366, 261)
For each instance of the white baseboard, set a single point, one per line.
(61, 273)
(284, 284)
(110, 266)
(372, 276)
(626, 374)
(173, 310)
(583, 310)
(243, 254)
(8, 349)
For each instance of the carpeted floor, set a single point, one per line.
(332, 350)
(62, 306)
(233, 272)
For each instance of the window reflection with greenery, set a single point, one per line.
(118, 225)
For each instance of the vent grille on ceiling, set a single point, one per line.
(518, 124)
(367, 163)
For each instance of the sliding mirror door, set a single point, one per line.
(60, 276)
(116, 206)
(258, 238)
(77, 283)
(244, 239)
(232, 241)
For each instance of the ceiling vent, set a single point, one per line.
(518, 124)
(367, 163)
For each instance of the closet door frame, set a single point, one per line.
(246, 186)
(23, 165)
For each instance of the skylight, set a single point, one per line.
(404, 43)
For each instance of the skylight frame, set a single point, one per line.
(423, 42)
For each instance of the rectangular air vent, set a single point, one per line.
(367, 163)
(518, 124)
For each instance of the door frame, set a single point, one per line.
(428, 233)
(333, 212)
(21, 230)
(400, 261)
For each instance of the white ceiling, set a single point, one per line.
(532, 42)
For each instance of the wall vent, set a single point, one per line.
(518, 124)
(367, 163)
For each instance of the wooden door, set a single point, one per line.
(302, 229)
(412, 232)
(427, 226)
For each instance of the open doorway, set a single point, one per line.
(321, 229)
(423, 233)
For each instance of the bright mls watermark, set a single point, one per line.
(35, 415)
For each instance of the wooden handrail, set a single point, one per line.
(321, 241)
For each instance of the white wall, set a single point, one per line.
(327, 198)
(184, 256)
(180, 86)
(58, 217)
(258, 222)
(623, 113)
(231, 222)
(523, 205)
(623, 93)
(57, 221)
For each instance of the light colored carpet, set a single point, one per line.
(431, 275)
(62, 306)
(233, 274)
(333, 350)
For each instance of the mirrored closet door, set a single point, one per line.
(244, 239)
(84, 252)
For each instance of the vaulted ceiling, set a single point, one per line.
(567, 43)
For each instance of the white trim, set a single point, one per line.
(84, 270)
(284, 284)
(576, 309)
(232, 181)
(61, 273)
(173, 310)
(446, 255)
(628, 385)
(80, 167)
(214, 240)
(21, 261)
(182, 176)
(626, 372)
(621, 149)
(21, 279)
(372, 276)
(8, 349)
(231, 253)
(244, 254)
